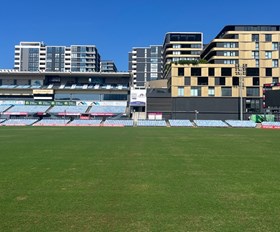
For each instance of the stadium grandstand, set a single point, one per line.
(95, 99)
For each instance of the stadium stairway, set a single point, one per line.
(88, 109)
(167, 123)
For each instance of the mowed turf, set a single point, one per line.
(139, 179)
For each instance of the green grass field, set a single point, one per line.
(139, 179)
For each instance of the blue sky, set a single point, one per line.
(115, 26)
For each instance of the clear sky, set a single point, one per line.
(115, 26)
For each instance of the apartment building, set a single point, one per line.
(36, 56)
(217, 89)
(179, 46)
(108, 66)
(145, 64)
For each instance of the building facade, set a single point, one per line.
(217, 89)
(108, 66)
(145, 64)
(36, 56)
(181, 46)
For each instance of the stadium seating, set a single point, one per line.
(80, 122)
(238, 123)
(7, 86)
(52, 122)
(27, 109)
(180, 123)
(210, 123)
(4, 107)
(107, 109)
(74, 110)
(22, 86)
(2, 120)
(118, 122)
(19, 122)
(270, 125)
(152, 123)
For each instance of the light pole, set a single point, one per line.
(240, 71)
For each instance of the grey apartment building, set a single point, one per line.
(182, 46)
(145, 64)
(36, 56)
(108, 66)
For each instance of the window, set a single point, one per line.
(268, 72)
(230, 45)
(211, 71)
(252, 72)
(235, 81)
(202, 81)
(268, 38)
(220, 81)
(229, 53)
(255, 54)
(274, 63)
(274, 46)
(195, 91)
(275, 79)
(255, 37)
(180, 91)
(226, 71)
(181, 72)
(229, 61)
(268, 55)
(195, 71)
(257, 63)
(176, 52)
(256, 81)
(257, 46)
(176, 45)
(211, 91)
(252, 91)
(226, 91)
(187, 81)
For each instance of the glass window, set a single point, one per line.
(202, 81)
(226, 71)
(255, 54)
(257, 46)
(268, 55)
(252, 91)
(211, 91)
(220, 81)
(187, 80)
(256, 80)
(195, 91)
(274, 63)
(211, 71)
(181, 72)
(268, 72)
(268, 38)
(255, 37)
(275, 79)
(229, 61)
(176, 46)
(226, 91)
(235, 81)
(180, 91)
(196, 71)
(229, 53)
(275, 46)
(257, 63)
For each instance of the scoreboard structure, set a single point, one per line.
(271, 95)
